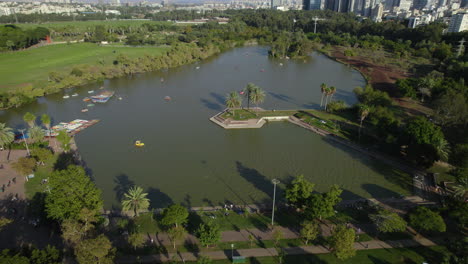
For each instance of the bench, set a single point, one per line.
(238, 259)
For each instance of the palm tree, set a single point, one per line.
(6, 135)
(257, 96)
(30, 119)
(323, 87)
(461, 189)
(233, 100)
(442, 147)
(248, 90)
(45, 119)
(36, 134)
(364, 111)
(332, 92)
(135, 200)
(327, 93)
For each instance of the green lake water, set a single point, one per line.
(189, 159)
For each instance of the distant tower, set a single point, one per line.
(461, 47)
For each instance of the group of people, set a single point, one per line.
(4, 186)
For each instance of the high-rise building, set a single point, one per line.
(458, 23)
(419, 4)
(275, 3)
(377, 13)
(314, 4)
(413, 22)
(405, 5)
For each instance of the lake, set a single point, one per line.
(188, 159)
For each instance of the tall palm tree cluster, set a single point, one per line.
(135, 200)
(252, 92)
(328, 92)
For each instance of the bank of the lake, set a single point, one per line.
(188, 159)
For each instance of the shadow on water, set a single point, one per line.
(311, 106)
(377, 191)
(281, 96)
(391, 174)
(219, 98)
(211, 105)
(259, 181)
(187, 201)
(158, 199)
(122, 184)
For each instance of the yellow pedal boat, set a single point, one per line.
(138, 143)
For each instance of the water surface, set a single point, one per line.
(189, 159)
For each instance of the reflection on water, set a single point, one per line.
(188, 159)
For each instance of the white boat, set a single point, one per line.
(91, 91)
(66, 96)
(84, 110)
(75, 95)
(198, 67)
(120, 98)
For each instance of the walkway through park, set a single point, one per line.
(233, 236)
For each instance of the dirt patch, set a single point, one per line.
(382, 77)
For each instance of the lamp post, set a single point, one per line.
(24, 138)
(275, 182)
(232, 252)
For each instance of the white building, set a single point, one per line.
(413, 22)
(458, 23)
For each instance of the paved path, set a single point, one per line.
(268, 252)
(7, 173)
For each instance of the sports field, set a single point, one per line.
(33, 65)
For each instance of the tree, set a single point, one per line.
(322, 205)
(309, 231)
(251, 239)
(248, 91)
(4, 222)
(74, 230)
(327, 94)
(233, 100)
(278, 234)
(49, 255)
(425, 219)
(30, 119)
(36, 134)
(136, 240)
(460, 190)
(442, 147)
(364, 111)
(95, 250)
(422, 131)
(298, 191)
(257, 96)
(176, 233)
(6, 135)
(42, 154)
(24, 166)
(71, 190)
(209, 233)
(204, 260)
(323, 88)
(64, 140)
(342, 242)
(135, 200)
(174, 215)
(45, 119)
(388, 222)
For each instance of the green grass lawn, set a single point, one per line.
(30, 66)
(34, 185)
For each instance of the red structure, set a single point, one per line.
(48, 39)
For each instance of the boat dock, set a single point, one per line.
(72, 128)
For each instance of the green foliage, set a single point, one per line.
(14, 38)
(30, 119)
(24, 166)
(349, 53)
(42, 154)
(387, 221)
(49, 255)
(322, 205)
(298, 191)
(136, 240)
(342, 242)
(4, 222)
(176, 233)
(204, 260)
(135, 200)
(75, 230)
(36, 134)
(309, 231)
(174, 215)
(422, 131)
(209, 233)
(71, 191)
(278, 234)
(425, 219)
(336, 106)
(371, 97)
(6, 135)
(407, 87)
(7, 257)
(233, 100)
(64, 140)
(95, 250)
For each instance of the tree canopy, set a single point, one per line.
(342, 242)
(71, 190)
(298, 191)
(424, 219)
(174, 215)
